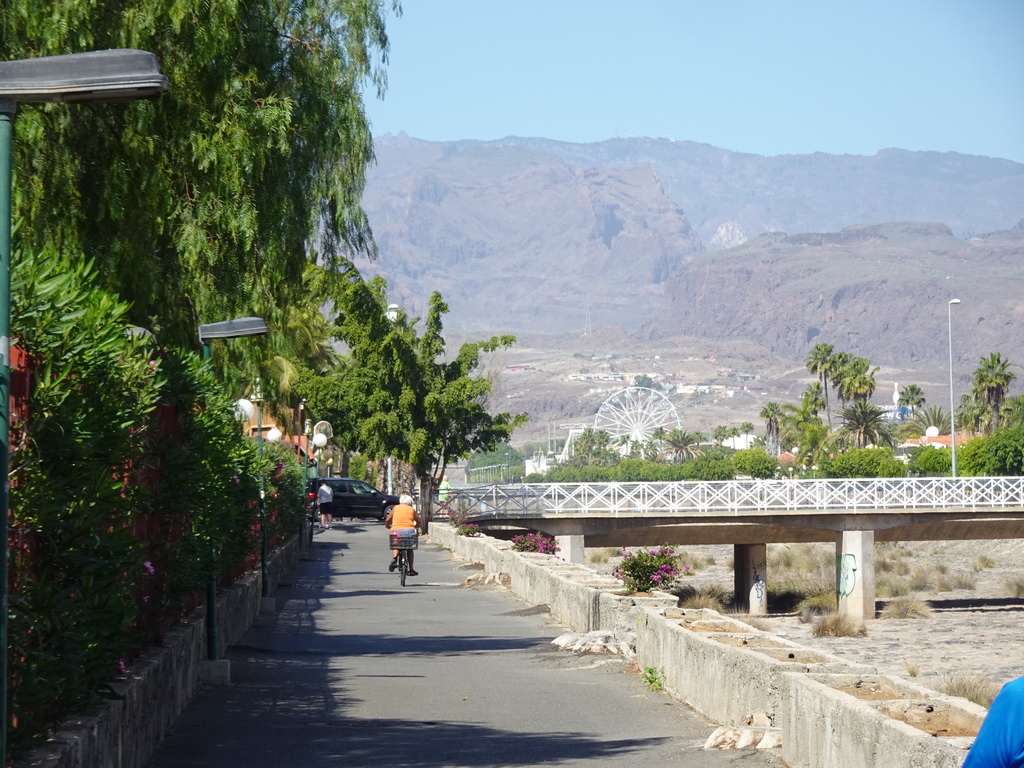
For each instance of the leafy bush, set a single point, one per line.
(865, 462)
(457, 520)
(648, 569)
(131, 484)
(535, 542)
(930, 461)
(755, 462)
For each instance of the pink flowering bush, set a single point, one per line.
(649, 569)
(535, 542)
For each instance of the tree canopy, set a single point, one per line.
(204, 204)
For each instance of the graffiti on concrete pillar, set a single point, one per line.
(846, 574)
(757, 569)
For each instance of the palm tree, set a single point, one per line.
(1012, 412)
(801, 427)
(813, 398)
(681, 445)
(864, 425)
(819, 362)
(932, 416)
(772, 414)
(912, 397)
(991, 380)
(857, 380)
(973, 414)
(836, 369)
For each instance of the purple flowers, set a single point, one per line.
(535, 542)
(650, 569)
(149, 567)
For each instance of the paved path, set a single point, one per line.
(355, 671)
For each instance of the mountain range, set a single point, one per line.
(665, 239)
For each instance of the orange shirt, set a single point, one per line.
(403, 516)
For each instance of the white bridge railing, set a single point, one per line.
(534, 499)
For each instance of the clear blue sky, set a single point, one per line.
(762, 76)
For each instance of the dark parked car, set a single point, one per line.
(352, 498)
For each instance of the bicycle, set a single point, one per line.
(403, 541)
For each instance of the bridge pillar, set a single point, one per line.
(855, 574)
(571, 549)
(750, 574)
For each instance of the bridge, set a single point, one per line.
(749, 514)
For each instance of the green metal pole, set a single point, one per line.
(7, 109)
(212, 630)
(264, 572)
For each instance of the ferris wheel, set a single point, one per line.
(633, 414)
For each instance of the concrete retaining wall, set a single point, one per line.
(730, 671)
(124, 732)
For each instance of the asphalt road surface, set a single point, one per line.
(354, 670)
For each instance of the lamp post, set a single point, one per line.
(392, 315)
(952, 402)
(257, 399)
(119, 75)
(227, 329)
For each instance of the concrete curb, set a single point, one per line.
(733, 673)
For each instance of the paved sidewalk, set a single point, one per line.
(355, 671)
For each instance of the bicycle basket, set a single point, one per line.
(404, 539)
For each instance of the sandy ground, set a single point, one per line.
(976, 631)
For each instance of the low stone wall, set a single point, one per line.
(124, 732)
(733, 673)
(576, 595)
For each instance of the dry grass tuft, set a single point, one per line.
(1014, 586)
(891, 585)
(838, 625)
(983, 563)
(977, 688)
(601, 554)
(711, 596)
(906, 608)
(816, 606)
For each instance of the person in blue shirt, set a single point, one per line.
(1000, 742)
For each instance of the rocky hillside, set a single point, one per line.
(880, 291)
(666, 239)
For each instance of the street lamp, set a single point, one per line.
(952, 403)
(226, 329)
(119, 75)
(272, 436)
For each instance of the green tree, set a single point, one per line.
(857, 380)
(593, 447)
(865, 462)
(643, 380)
(802, 428)
(755, 462)
(992, 379)
(680, 445)
(912, 397)
(930, 461)
(932, 416)
(204, 204)
(710, 466)
(863, 424)
(772, 413)
(819, 362)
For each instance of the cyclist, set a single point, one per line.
(403, 517)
